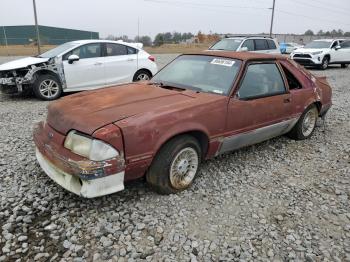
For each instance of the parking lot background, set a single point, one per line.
(281, 200)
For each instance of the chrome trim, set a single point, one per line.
(256, 136)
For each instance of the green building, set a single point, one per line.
(26, 34)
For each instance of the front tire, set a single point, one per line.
(306, 124)
(175, 166)
(142, 75)
(344, 65)
(47, 87)
(325, 63)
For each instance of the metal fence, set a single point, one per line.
(24, 35)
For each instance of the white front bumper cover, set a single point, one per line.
(85, 188)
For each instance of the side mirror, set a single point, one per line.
(72, 59)
(243, 49)
(337, 47)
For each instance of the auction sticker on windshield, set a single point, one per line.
(223, 62)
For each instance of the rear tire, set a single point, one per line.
(142, 75)
(47, 87)
(306, 124)
(175, 166)
(344, 65)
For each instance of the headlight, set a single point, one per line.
(93, 149)
(316, 53)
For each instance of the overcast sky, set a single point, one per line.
(119, 17)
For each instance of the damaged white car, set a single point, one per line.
(75, 66)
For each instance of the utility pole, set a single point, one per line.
(6, 44)
(36, 27)
(272, 15)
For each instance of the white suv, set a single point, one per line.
(75, 66)
(259, 44)
(323, 52)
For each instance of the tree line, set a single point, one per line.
(332, 33)
(160, 38)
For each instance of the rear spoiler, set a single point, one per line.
(136, 45)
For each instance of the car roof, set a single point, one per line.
(328, 40)
(87, 41)
(244, 56)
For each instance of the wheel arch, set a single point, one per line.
(201, 136)
(143, 69)
(47, 72)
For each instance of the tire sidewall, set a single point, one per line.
(42, 78)
(323, 67)
(301, 121)
(139, 73)
(161, 165)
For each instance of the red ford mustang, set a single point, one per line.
(199, 106)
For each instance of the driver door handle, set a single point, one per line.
(98, 63)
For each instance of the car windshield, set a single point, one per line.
(199, 73)
(318, 44)
(58, 50)
(227, 44)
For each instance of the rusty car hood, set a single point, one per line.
(91, 110)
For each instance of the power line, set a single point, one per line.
(201, 5)
(321, 7)
(310, 17)
(328, 3)
(206, 5)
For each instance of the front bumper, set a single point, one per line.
(312, 61)
(77, 174)
(85, 188)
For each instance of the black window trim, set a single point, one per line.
(286, 87)
(104, 52)
(101, 50)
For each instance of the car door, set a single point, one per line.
(260, 109)
(334, 52)
(120, 63)
(88, 71)
(343, 54)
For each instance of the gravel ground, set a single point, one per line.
(280, 200)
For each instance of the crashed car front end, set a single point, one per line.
(21, 79)
(15, 81)
(80, 174)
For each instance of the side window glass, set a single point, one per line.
(85, 51)
(115, 49)
(345, 44)
(293, 82)
(261, 80)
(88, 51)
(249, 44)
(131, 50)
(334, 44)
(261, 44)
(271, 44)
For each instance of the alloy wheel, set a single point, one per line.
(183, 168)
(49, 88)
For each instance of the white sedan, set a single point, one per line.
(75, 66)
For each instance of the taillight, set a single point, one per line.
(152, 58)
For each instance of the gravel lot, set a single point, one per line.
(280, 200)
